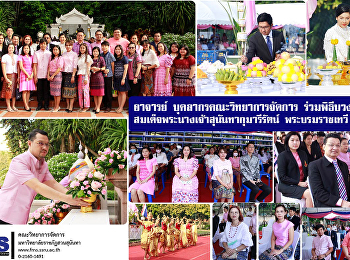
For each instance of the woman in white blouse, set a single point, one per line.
(236, 238)
(149, 63)
(209, 160)
(222, 179)
(339, 31)
(132, 161)
(9, 68)
(162, 162)
(84, 64)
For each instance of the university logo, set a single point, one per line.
(4, 246)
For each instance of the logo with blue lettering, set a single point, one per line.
(4, 246)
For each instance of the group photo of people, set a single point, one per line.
(326, 233)
(190, 167)
(234, 231)
(312, 168)
(168, 230)
(95, 67)
(279, 231)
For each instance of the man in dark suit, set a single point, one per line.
(316, 151)
(266, 43)
(50, 45)
(334, 238)
(329, 177)
(294, 218)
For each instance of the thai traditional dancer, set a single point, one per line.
(177, 234)
(171, 235)
(189, 232)
(154, 238)
(145, 236)
(163, 236)
(183, 237)
(194, 233)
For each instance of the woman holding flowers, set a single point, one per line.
(338, 35)
(146, 167)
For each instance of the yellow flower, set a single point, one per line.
(348, 43)
(259, 74)
(334, 41)
(255, 69)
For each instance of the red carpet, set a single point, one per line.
(201, 251)
(205, 195)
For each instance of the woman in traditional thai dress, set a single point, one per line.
(171, 235)
(189, 232)
(340, 32)
(84, 64)
(236, 239)
(163, 236)
(146, 167)
(183, 235)
(154, 238)
(145, 236)
(54, 76)
(185, 181)
(183, 74)
(282, 237)
(162, 80)
(194, 233)
(97, 84)
(177, 234)
(149, 63)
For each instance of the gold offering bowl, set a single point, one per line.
(90, 200)
(231, 86)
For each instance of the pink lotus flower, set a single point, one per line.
(110, 160)
(95, 185)
(121, 166)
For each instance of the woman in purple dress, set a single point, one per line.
(97, 83)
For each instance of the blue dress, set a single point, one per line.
(118, 75)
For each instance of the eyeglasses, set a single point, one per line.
(264, 27)
(43, 144)
(334, 145)
(131, 47)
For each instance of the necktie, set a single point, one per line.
(269, 44)
(341, 183)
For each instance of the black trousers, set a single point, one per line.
(107, 98)
(43, 92)
(135, 88)
(4, 223)
(253, 249)
(266, 190)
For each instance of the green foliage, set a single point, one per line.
(192, 211)
(188, 38)
(5, 160)
(59, 165)
(7, 15)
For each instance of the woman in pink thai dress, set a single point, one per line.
(146, 167)
(162, 81)
(185, 181)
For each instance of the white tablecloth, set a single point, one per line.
(97, 217)
(335, 90)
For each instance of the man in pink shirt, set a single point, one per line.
(118, 40)
(322, 246)
(28, 175)
(41, 60)
(346, 246)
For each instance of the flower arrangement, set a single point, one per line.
(42, 216)
(88, 182)
(60, 206)
(334, 42)
(348, 44)
(116, 160)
